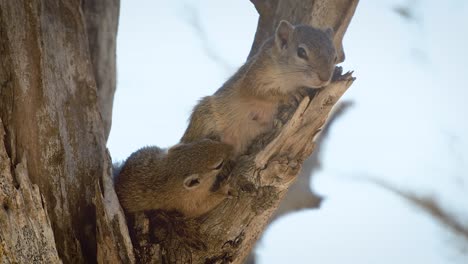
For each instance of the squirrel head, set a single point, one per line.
(197, 164)
(305, 53)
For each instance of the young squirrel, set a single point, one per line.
(180, 180)
(245, 106)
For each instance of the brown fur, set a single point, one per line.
(245, 106)
(151, 179)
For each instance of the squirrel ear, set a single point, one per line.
(330, 32)
(192, 181)
(283, 34)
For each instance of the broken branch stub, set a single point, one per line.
(276, 166)
(296, 139)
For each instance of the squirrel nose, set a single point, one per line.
(324, 76)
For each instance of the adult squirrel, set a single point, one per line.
(184, 179)
(245, 106)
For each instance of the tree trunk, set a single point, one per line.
(57, 202)
(53, 148)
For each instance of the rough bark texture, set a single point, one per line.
(57, 202)
(53, 154)
(101, 19)
(25, 234)
(299, 195)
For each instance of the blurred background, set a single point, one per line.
(394, 167)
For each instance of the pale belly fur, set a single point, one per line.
(246, 122)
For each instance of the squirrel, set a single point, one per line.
(183, 179)
(296, 57)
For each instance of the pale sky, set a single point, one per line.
(408, 125)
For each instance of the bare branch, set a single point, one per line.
(300, 196)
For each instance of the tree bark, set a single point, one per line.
(57, 202)
(54, 159)
(299, 195)
(101, 19)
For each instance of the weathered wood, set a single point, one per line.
(101, 19)
(54, 137)
(299, 195)
(113, 241)
(25, 233)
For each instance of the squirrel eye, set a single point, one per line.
(219, 166)
(192, 181)
(301, 53)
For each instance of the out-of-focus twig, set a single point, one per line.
(408, 10)
(429, 205)
(193, 19)
(404, 11)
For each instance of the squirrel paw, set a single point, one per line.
(277, 123)
(337, 73)
(300, 94)
(286, 110)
